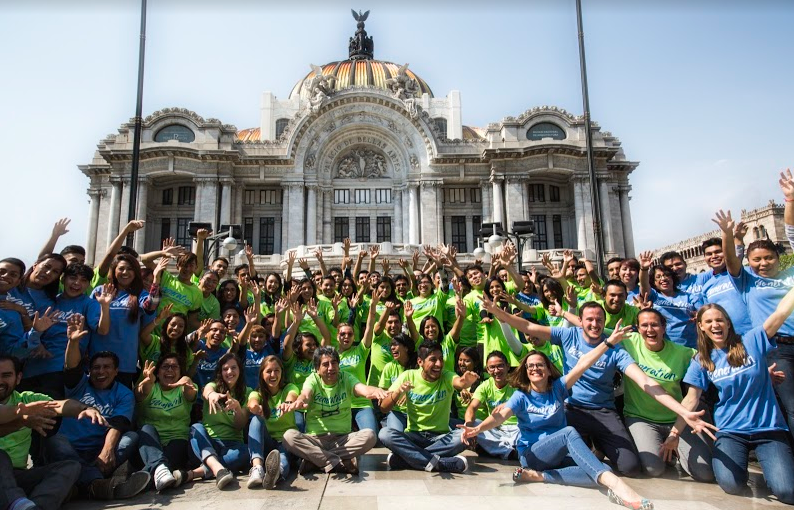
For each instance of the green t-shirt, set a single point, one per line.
(354, 362)
(151, 353)
(210, 308)
(186, 297)
(511, 287)
(221, 424)
(667, 367)
(494, 340)
(473, 328)
(167, 411)
(298, 370)
(17, 443)
(460, 407)
(552, 351)
(628, 314)
(390, 373)
(544, 319)
(277, 422)
(427, 403)
(329, 409)
(381, 354)
(449, 312)
(490, 397)
(324, 313)
(434, 305)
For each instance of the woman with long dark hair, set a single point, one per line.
(403, 348)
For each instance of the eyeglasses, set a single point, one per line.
(169, 366)
(535, 366)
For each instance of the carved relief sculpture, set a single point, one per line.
(361, 164)
(320, 87)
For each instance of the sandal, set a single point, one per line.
(517, 474)
(643, 504)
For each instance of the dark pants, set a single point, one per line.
(608, 433)
(784, 357)
(47, 487)
(59, 447)
(174, 455)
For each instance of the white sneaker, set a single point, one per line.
(255, 477)
(163, 479)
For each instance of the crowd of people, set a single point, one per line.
(128, 376)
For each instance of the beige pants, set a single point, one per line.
(328, 450)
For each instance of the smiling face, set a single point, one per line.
(258, 339)
(430, 330)
(125, 274)
(231, 317)
(9, 379)
(102, 373)
(45, 272)
(220, 267)
(678, 266)
(651, 329)
(308, 346)
(475, 277)
(10, 276)
(465, 363)
(229, 292)
(613, 270)
(628, 275)
(614, 298)
(432, 365)
(593, 323)
(497, 369)
(764, 262)
(715, 326)
(425, 286)
(271, 376)
(345, 336)
(495, 288)
(186, 270)
(271, 284)
(582, 277)
(663, 281)
(399, 352)
(328, 370)
(216, 334)
(307, 291)
(537, 371)
(401, 287)
(230, 372)
(208, 282)
(394, 324)
(175, 328)
(347, 288)
(169, 372)
(75, 285)
(714, 257)
(328, 287)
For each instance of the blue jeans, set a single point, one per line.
(422, 450)
(499, 441)
(774, 453)
(396, 420)
(365, 419)
(300, 421)
(153, 453)
(59, 448)
(784, 357)
(260, 444)
(232, 454)
(564, 459)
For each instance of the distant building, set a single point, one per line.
(762, 223)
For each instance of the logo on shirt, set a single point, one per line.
(429, 398)
(547, 410)
(576, 354)
(728, 372)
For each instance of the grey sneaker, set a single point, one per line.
(134, 485)
(255, 477)
(456, 464)
(223, 478)
(272, 469)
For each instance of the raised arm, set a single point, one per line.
(784, 308)
(460, 317)
(726, 224)
(618, 335)
(645, 259)
(318, 254)
(526, 327)
(104, 265)
(170, 249)
(75, 331)
(201, 246)
(60, 228)
(297, 317)
(787, 187)
(311, 310)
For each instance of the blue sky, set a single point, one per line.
(700, 95)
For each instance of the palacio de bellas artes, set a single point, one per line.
(363, 148)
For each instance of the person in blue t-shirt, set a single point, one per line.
(719, 287)
(100, 448)
(762, 285)
(746, 414)
(590, 409)
(550, 451)
(689, 283)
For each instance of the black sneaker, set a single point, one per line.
(101, 489)
(456, 464)
(134, 485)
(223, 478)
(272, 469)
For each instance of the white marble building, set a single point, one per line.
(362, 148)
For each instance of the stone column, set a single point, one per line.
(498, 201)
(578, 205)
(142, 207)
(328, 225)
(239, 193)
(115, 197)
(226, 201)
(625, 216)
(285, 218)
(413, 214)
(606, 218)
(515, 200)
(397, 199)
(95, 195)
(297, 213)
(485, 196)
(311, 214)
(199, 182)
(430, 218)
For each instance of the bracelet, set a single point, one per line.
(609, 345)
(789, 200)
(674, 433)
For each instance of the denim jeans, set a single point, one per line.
(153, 453)
(773, 450)
(694, 450)
(300, 420)
(784, 357)
(395, 420)
(232, 454)
(260, 444)
(564, 459)
(365, 419)
(48, 487)
(422, 450)
(499, 441)
(59, 448)
(604, 427)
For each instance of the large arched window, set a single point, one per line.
(176, 132)
(281, 125)
(545, 130)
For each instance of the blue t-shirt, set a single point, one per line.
(747, 401)
(539, 414)
(693, 283)
(719, 289)
(117, 400)
(54, 339)
(762, 295)
(32, 299)
(205, 371)
(678, 310)
(594, 389)
(14, 340)
(252, 361)
(123, 336)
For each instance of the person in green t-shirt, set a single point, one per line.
(269, 461)
(172, 339)
(651, 424)
(390, 323)
(165, 398)
(403, 349)
(426, 443)
(327, 395)
(430, 329)
(353, 360)
(218, 439)
(473, 329)
(489, 395)
(616, 307)
(178, 290)
(210, 306)
(431, 300)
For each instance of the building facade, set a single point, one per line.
(762, 223)
(362, 148)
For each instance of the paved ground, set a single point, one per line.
(488, 486)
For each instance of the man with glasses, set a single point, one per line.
(329, 443)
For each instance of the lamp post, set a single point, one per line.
(226, 237)
(138, 121)
(521, 232)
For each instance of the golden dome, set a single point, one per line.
(359, 73)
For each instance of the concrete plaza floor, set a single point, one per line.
(487, 486)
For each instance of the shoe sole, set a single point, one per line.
(134, 485)
(272, 464)
(224, 481)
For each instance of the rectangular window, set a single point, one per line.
(168, 196)
(459, 233)
(382, 196)
(476, 225)
(187, 195)
(362, 196)
(455, 195)
(248, 231)
(536, 193)
(476, 195)
(541, 239)
(249, 197)
(270, 196)
(362, 229)
(383, 229)
(267, 236)
(554, 193)
(341, 229)
(165, 229)
(182, 234)
(341, 196)
(556, 226)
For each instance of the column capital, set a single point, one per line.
(203, 181)
(96, 193)
(227, 181)
(496, 178)
(516, 178)
(312, 187)
(432, 184)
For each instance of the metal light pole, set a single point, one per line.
(595, 199)
(136, 139)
